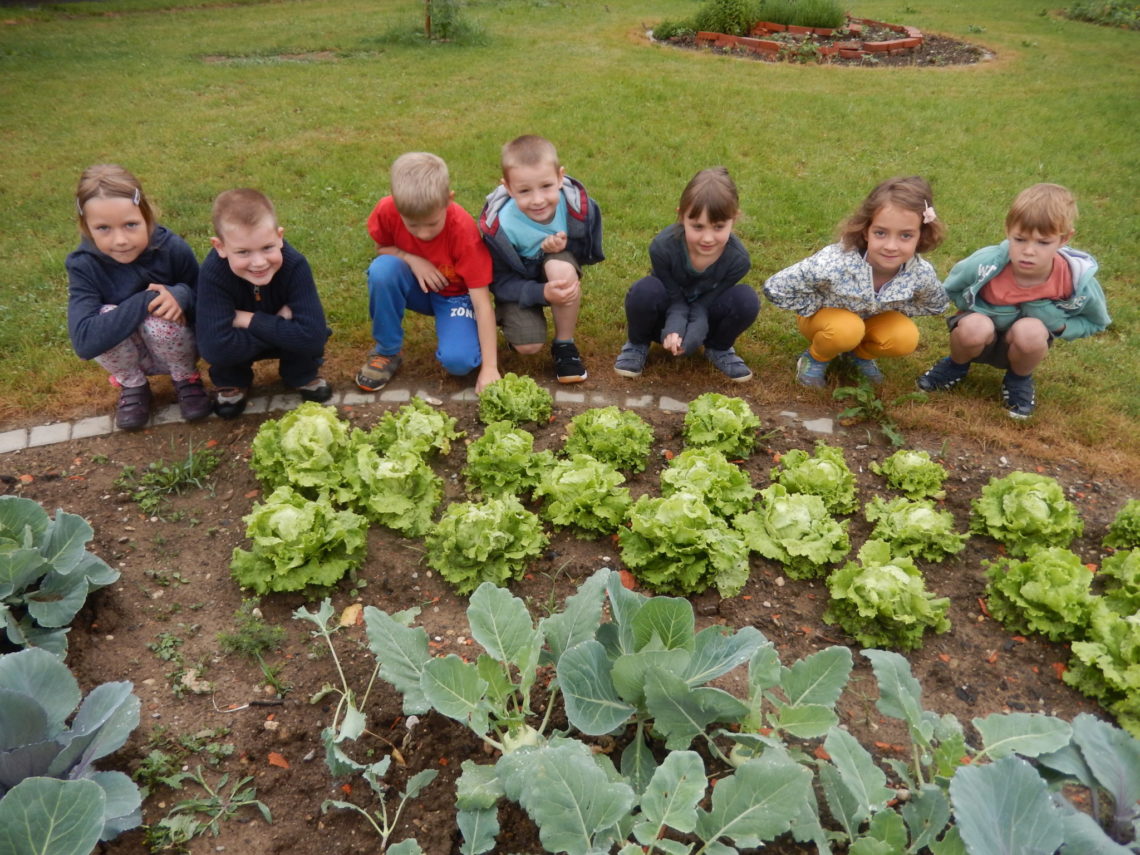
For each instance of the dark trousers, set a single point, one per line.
(730, 314)
(296, 369)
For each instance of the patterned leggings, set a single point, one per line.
(156, 347)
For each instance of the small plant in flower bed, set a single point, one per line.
(914, 528)
(1124, 530)
(585, 494)
(796, 530)
(503, 461)
(704, 472)
(913, 474)
(824, 474)
(620, 438)
(882, 600)
(1024, 511)
(515, 399)
(726, 424)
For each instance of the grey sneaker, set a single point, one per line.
(943, 374)
(377, 371)
(319, 390)
(631, 360)
(868, 369)
(811, 372)
(729, 364)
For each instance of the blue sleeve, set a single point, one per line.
(88, 290)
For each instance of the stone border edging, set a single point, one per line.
(911, 38)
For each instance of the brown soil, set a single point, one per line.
(176, 581)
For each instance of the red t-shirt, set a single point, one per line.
(458, 252)
(1003, 289)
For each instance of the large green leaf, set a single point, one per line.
(717, 651)
(865, 780)
(1084, 837)
(817, 679)
(402, 651)
(763, 669)
(757, 803)
(56, 602)
(478, 787)
(1004, 808)
(624, 606)
(22, 720)
(670, 800)
(455, 689)
(44, 816)
(807, 721)
(19, 568)
(669, 619)
(104, 722)
(479, 829)
(681, 713)
(22, 520)
(579, 618)
(40, 675)
(1028, 734)
(900, 695)
(629, 670)
(1113, 756)
(122, 809)
(844, 804)
(638, 763)
(501, 623)
(592, 704)
(926, 815)
(65, 541)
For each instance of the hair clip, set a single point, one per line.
(78, 208)
(138, 197)
(928, 215)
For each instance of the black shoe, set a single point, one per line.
(943, 374)
(230, 403)
(1019, 395)
(319, 391)
(133, 410)
(192, 398)
(568, 365)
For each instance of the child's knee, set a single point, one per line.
(386, 269)
(973, 330)
(528, 349)
(458, 363)
(1028, 334)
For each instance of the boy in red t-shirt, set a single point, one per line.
(1015, 298)
(430, 259)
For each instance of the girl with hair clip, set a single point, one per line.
(131, 296)
(857, 296)
(694, 296)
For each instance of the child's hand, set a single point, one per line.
(242, 319)
(164, 305)
(554, 243)
(285, 312)
(673, 344)
(562, 292)
(426, 273)
(486, 377)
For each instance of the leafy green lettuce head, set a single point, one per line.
(675, 544)
(707, 473)
(584, 493)
(1121, 575)
(1048, 592)
(1124, 532)
(502, 461)
(398, 490)
(796, 530)
(298, 542)
(488, 541)
(882, 601)
(726, 424)
(825, 475)
(915, 528)
(1024, 511)
(620, 438)
(516, 400)
(1106, 666)
(416, 427)
(913, 474)
(304, 449)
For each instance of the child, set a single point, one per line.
(541, 228)
(131, 296)
(857, 296)
(257, 300)
(694, 296)
(430, 260)
(1016, 297)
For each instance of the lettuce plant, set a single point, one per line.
(1105, 665)
(796, 530)
(52, 799)
(914, 528)
(515, 399)
(1121, 575)
(726, 424)
(1048, 592)
(503, 461)
(1024, 511)
(46, 573)
(705, 472)
(913, 474)
(487, 541)
(620, 438)
(304, 449)
(825, 475)
(1124, 531)
(416, 427)
(297, 542)
(585, 494)
(675, 544)
(882, 600)
(398, 490)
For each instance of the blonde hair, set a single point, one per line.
(711, 192)
(420, 184)
(529, 150)
(241, 207)
(1048, 209)
(910, 194)
(110, 181)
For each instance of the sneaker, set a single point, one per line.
(230, 402)
(568, 365)
(1019, 395)
(868, 369)
(944, 374)
(729, 364)
(811, 372)
(192, 398)
(133, 410)
(631, 360)
(377, 371)
(319, 391)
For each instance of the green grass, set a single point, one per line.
(311, 101)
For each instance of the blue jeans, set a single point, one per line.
(393, 289)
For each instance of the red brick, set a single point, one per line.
(847, 53)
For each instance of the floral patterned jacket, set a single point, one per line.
(842, 279)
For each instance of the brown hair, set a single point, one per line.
(529, 150)
(711, 192)
(242, 207)
(420, 184)
(110, 181)
(910, 194)
(1048, 209)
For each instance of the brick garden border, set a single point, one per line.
(853, 48)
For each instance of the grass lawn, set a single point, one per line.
(310, 101)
